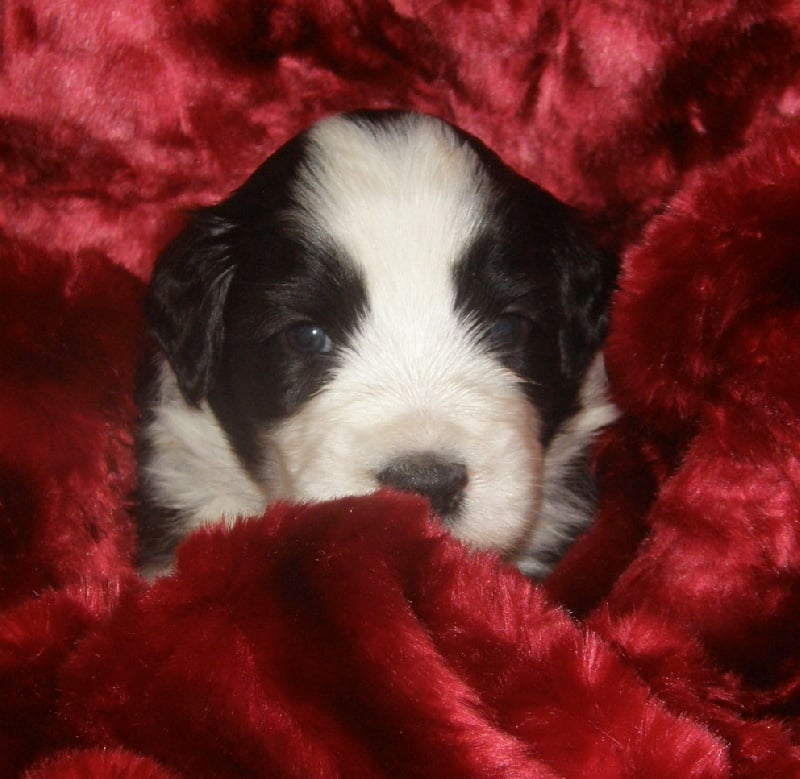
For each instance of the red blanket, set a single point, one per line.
(355, 639)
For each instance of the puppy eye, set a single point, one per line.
(308, 339)
(509, 330)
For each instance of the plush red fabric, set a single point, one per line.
(355, 638)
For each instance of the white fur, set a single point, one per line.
(192, 467)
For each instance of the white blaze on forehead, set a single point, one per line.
(403, 199)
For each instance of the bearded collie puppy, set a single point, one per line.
(383, 304)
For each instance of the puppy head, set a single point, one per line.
(384, 303)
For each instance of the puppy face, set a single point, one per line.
(383, 303)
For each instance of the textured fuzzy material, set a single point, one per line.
(355, 638)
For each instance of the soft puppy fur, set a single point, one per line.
(382, 304)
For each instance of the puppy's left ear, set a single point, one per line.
(186, 299)
(586, 284)
(586, 276)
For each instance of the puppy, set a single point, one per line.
(382, 304)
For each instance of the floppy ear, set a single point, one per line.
(586, 275)
(186, 299)
(192, 275)
(586, 285)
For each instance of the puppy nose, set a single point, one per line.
(441, 481)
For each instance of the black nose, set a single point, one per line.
(441, 481)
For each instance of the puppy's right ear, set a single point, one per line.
(187, 297)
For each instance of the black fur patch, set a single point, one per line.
(530, 261)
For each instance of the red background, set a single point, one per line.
(353, 639)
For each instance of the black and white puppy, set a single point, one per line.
(383, 303)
